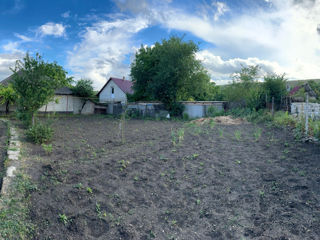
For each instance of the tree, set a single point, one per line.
(7, 96)
(245, 90)
(84, 90)
(275, 86)
(35, 82)
(169, 72)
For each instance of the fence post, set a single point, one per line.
(267, 101)
(272, 110)
(307, 113)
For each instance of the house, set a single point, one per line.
(115, 90)
(64, 102)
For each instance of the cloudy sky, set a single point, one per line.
(97, 39)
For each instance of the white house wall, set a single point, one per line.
(65, 104)
(119, 95)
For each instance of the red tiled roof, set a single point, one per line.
(124, 85)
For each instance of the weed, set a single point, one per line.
(123, 164)
(89, 190)
(257, 134)
(261, 193)
(212, 123)
(47, 148)
(238, 161)
(177, 136)
(198, 201)
(78, 186)
(237, 135)
(64, 219)
(221, 133)
(136, 178)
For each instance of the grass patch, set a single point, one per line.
(14, 211)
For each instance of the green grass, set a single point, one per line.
(14, 211)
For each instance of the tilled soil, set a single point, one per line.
(220, 182)
(3, 149)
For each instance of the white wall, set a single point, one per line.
(65, 104)
(119, 95)
(298, 109)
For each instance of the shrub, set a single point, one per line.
(40, 133)
(284, 119)
(185, 116)
(214, 112)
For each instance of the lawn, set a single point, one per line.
(173, 180)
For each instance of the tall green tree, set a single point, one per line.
(245, 90)
(169, 72)
(8, 96)
(275, 86)
(35, 82)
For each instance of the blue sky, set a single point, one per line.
(97, 39)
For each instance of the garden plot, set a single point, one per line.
(174, 180)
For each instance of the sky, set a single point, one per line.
(98, 39)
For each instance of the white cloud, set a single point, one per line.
(66, 14)
(8, 60)
(220, 70)
(286, 35)
(221, 9)
(54, 29)
(103, 49)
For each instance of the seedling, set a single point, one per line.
(221, 133)
(257, 134)
(123, 164)
(78, 186)
(261, 193)
(47, 148)
(198, 201)
(237, 135)
(238, 161)
(89, 190)
(64, 219)
(136, 178)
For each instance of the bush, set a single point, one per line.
(176, 109)
(283, 119)
(40, 133)
(214, 112)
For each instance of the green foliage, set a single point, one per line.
(214, 112)
(14, 213)
(35, 82)
(315, 87)
(83, 88)
(40, 133)
(245, 90)
(47, 148)
(275, 86)
(282, 119)
(169, 72)
(8, 96)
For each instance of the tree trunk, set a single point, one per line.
(32, 119)
(85, 101)
(7, 107)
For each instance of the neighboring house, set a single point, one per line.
(115, 90)
(64, 102)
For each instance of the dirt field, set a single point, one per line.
(3, 149)
(238, 181)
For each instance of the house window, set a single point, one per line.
(112, 90)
